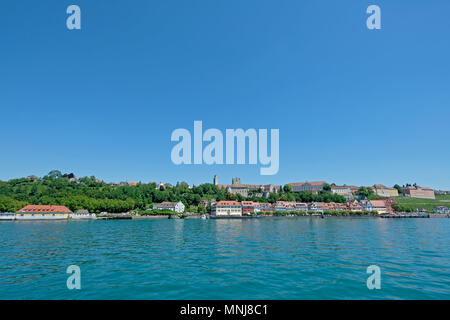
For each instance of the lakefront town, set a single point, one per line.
(59, 196)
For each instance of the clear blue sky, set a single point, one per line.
(353, 106)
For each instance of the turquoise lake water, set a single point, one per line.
(268, 258)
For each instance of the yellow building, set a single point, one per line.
(384, 191)
(42, 212)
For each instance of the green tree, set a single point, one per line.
(54, 174)
(201, 209)
(364, 191)
(399, 189)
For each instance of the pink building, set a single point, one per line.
(419, 192)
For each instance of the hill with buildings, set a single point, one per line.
(94, 195)
(97, 196)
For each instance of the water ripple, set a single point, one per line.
(279, 258)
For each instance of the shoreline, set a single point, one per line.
(210, 217)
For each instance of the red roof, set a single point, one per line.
(44, 208)
(249, 204)
(227, 203)
(378, 203)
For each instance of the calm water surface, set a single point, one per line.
(270, 258)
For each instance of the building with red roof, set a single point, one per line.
(42, 212)
(379, 206)
(250, 206)
(226, 208)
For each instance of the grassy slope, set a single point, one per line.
(428, 204)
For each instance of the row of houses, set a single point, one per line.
(258, 190)
(240, 208)
(380, 190)
(46, 212)
(53, 212)
(347, 191)
(220, 208)
(441, 210)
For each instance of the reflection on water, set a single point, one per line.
(268, 258)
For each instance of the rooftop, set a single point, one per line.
(45, 208)
(378, 203)
(167, 204)
(313, 183)
(228, 203)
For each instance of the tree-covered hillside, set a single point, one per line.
(96, 196)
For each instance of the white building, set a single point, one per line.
(379, 206)
(82, 214)
(344, 191)
(441, 209)
(178, 207)
(367, 205)
(313, 186)
(7, 216)
(226, 208)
